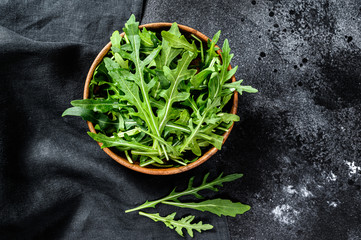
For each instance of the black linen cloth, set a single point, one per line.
(55, 181)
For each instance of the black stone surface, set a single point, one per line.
(299, 141)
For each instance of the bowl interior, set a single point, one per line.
(157, 27)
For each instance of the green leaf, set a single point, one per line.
(168, 53)
(173, 196)
(226, 60)
(179, 42)
(228, 117)
(195, 148)
(183, 117)
(197, 79)
(179, 225)
(98, 105)
(230, 73)
(146, 38)
(217, 206)
(211, 52)
(119, 142)
(214, 86)
(88, 115)
(115, 39)
(214, 139)
(123, 63)
(236, 86)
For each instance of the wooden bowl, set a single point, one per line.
(123, 161)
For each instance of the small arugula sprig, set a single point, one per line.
(178, 225)
(217, 206)
(159, 97)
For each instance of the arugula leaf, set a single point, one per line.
(197, 79)
(88, 115)
(123, 63)
(115, 39)
(146, 38)
(173, 196)
(117, 141)
(211, 53)
(239, 88)
(179, 225)
(179, 42)
(217, 206)
(98, 105)
(168, 53)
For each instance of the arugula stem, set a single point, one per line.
(190, 138)
(150, 153)
(126, 38)
(161, 140)
(162, 165)
(147, 163)
(212, 62)
(223, 129)
(201, 43)
(128, 157)
(180, 162)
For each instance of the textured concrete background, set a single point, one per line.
(298, 143)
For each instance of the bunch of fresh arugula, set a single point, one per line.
(217, 206)
(159, 98)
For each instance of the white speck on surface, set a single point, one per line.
(290, 189)
(353, 168)
(354, 234)
(305, 193)
(285, 214)
(286, 159)
(332, 203)
(331, 177)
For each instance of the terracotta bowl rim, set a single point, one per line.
(136, 167)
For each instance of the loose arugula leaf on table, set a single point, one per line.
(174, 195)
(179, 225)
(217, 206)
(163, 91)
